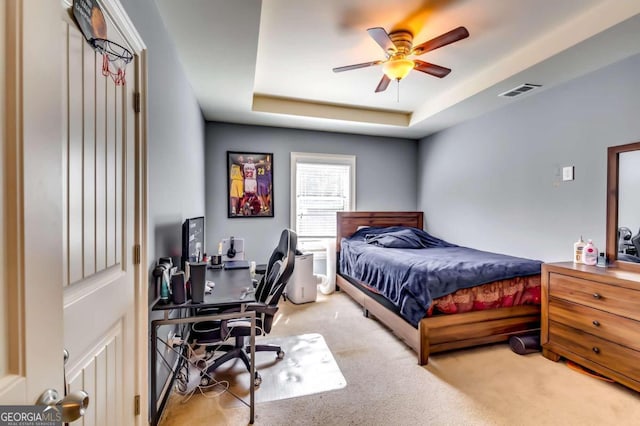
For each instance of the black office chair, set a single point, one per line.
(624, 237)
(636, 243)
(213, 334)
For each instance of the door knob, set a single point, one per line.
(72, 406)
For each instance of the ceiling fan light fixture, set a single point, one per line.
(397, 69)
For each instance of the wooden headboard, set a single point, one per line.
(348, 222)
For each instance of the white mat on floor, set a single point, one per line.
(308, 367)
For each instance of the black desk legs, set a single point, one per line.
(153, 414)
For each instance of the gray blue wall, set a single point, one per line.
(386, 173)
(494, 182)
(175, 144)
(176, 135)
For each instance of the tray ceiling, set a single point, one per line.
(270, 62)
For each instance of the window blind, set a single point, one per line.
(321, 191)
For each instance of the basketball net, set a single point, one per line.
(118, 76)
(114, 59)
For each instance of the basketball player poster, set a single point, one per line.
(249, 184)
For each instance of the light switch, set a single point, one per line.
(567, 173)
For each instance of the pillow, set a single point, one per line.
(404, 237)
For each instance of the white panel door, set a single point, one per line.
(98, 180)
(69, 214)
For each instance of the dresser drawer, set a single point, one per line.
(619, 358)
(617, 300)
(621, 330)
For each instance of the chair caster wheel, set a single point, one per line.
(280, 355)
(257, 381)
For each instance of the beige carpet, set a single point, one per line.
(481, 386)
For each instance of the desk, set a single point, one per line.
(229, 290)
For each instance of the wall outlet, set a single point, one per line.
(567, 173)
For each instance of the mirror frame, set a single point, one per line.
(613, 154)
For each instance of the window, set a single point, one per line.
(321, 185)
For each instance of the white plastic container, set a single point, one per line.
(590, 254)
(578, 248)
(303, 285)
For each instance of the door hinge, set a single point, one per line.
(136, 102)
(136, 405)
(136, 254)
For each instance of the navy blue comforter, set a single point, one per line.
(411, 268)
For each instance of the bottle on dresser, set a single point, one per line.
(578, 247)
(589, 254)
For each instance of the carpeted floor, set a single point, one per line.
(489, 385)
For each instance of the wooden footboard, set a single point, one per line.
(448, 332)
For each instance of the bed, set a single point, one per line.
(433, 332)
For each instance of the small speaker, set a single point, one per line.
(178, 288)
(198, 273)
(525, 344)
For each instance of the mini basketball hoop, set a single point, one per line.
(115, 59)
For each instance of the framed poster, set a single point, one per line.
(249, 184)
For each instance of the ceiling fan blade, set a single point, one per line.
(356, 66)
(384, 83)
(442, 40)
(382, 38)
(431, 69)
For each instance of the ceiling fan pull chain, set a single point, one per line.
(398, 92)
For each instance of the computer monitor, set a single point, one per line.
(193, 239)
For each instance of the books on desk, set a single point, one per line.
(236, 264)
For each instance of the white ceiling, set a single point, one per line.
(270, 62)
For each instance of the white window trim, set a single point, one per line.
(307, 157)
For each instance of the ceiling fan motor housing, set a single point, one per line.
(403, 40)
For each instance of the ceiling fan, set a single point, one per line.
(398, 47)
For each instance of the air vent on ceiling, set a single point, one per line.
(516, 91)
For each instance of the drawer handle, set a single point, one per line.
(597, 296)
(596, 323)
(596, 349)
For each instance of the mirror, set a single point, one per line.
(623, 206)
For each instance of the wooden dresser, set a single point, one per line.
(591, 315)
